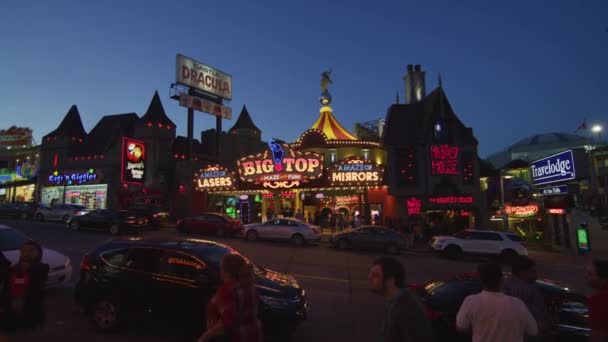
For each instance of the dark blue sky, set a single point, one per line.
(510, 68)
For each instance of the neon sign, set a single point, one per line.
(413, 206)
(521, 211)
(280, 167)
(355, 171)
(26, 170)
(341, 200)
(557, 211)
(91, 176)
(133, 161)
(451, 200)
(444, 160)
(214, 177)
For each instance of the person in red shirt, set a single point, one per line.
(232, 314)
(597, 277)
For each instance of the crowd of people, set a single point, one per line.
(508, 310)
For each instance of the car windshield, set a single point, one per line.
(461, 234)
(11, 239)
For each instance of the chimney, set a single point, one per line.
(415, 89)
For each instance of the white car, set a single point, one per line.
(60, 212)
(482, 242)
(60, 271)
(295, 231)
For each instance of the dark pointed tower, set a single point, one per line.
(244, 126)
(56, 146)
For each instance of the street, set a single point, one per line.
(341, 306)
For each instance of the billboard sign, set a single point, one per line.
(355, 171)
(555, 168)
(280, 167)
(133, 161)
(206, 106)
(202, 77)
(214, 178)
(15, 136)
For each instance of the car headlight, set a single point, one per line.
(274, 302)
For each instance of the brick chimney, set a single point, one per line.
(415, 89)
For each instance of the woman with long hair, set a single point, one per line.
(232, 314)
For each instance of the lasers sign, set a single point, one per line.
(199, 76)
(214, 177)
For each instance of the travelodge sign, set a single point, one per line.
(555, 168)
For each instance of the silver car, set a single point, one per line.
(283, 229)
(60, 212)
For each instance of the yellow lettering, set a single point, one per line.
(312, 164)
(300, 164)
(288, 163)
(267, 166)
(248, 168)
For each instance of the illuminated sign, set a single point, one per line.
(320, 195)
(582, 239)
(244, 197)
(90, 176)
(555, 168)
(26, 170)
(451, 200)
(214, 177)
(444, 160)
(557, 211)
(16, 137)
(342, 200)
(280, 167)
(7, 177)
(413, 206)
(133, 161)
(355, 171)
(554, 190)
(465, 213)
(521, 211)
(206, 106)
(202, 77)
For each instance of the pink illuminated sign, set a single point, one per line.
(444, 160)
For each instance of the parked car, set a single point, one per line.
(372, 238)
(173, 278)
(211, 224)
(297, 232)
(60, 271)
(60, 212)
(442, 300)
(480, 242)
(155, 214)
(22, 210)
(112, 221)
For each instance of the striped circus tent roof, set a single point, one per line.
(328, 124)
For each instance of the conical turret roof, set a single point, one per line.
(244, 121)
(156, 112)
(71, 125)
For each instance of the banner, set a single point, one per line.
(133, 161)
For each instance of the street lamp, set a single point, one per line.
(505, 218)
(597, 129)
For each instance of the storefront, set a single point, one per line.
(82, 187)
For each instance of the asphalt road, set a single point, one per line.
(341, 306)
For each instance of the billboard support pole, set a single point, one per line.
(218, 133)
(190, 132)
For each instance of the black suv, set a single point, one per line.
(172, 279)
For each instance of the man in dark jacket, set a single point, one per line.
(404, 318)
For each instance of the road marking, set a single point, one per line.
(321, 278)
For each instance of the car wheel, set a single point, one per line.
(105, 315)
(220, 233)
(297, 239)
(39, 217)
(65, 218)
(74, 226)
(508, 256)
(23, 216)
(343, 244)
(252, 235)
(114, 229)
(452, 251)
(392, 249)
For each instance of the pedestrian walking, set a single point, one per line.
(5, 266)
(300, 215)
(522, 285)
(404, 318)
(493, 316)
(597, 277)
(309, 218)
(25, 291)
(232, 314)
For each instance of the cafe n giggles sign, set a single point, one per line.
(90, 176)
(280, 167)
(355, 171)
(215, 178)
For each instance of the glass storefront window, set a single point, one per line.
(92, 196)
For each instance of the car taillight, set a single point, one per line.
(155, 215)
(85, 265)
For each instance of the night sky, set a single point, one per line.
(510, 68)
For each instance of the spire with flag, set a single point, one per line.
(582, 126)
